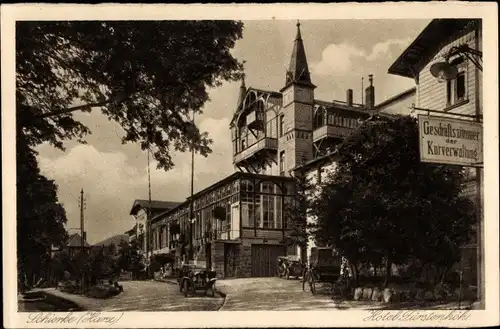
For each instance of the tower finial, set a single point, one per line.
(298, 36)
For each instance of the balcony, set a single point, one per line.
(227, 235)
(265, 144)
(331, 131)
(254, 120)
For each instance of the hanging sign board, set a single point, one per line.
(450, 141)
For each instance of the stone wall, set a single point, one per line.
(245, 261)
(218, 258)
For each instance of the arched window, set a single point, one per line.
(319, 118)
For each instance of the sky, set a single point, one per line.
(112, 175)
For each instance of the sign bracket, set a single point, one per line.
(477, 117)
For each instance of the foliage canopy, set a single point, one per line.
(149, 76)
(383, 203)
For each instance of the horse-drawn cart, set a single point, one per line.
(324, 266)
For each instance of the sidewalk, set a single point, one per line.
(273, 294)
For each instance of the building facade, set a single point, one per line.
(459, 98)
(238, 225)
(140, 212)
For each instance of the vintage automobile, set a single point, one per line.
(193, 278)
(324, 266)
(290, 266)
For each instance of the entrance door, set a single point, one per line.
(265, 259)
(229, 260)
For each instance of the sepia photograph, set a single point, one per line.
(203, 165)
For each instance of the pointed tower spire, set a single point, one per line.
(298, 70)
(243, 92)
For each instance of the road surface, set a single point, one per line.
(144, 296)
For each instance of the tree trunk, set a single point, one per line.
(388, 270)
(355, 274)
(443, 275)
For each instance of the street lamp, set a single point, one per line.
(447, 70)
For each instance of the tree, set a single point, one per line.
(382, 202)
(149, 76)
(295, 212)
(129, 258)
(40, 216)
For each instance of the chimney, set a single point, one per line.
(349, 97)
(370, 94)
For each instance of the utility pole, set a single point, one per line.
(362, 90)
(82, 230)
(148, 221)
(191, 203)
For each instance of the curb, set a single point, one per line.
(224, 294)
(48, 293)
(172, 282)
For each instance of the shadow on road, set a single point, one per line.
(41, 302)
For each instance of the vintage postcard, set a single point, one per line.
(250, 165)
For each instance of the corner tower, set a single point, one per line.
(296, 115)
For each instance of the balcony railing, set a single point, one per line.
(331, 131)
(265, 143)
(225, 235)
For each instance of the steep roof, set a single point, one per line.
(155, 204)
(428, 43)
(75, 240)
(112, 240)
(243, 92)
(298, 70)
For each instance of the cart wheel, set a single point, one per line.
(185, 287)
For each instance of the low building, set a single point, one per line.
(132, 234)
(74, 245)
(401, 104)
(238, 227)
(140, 212)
